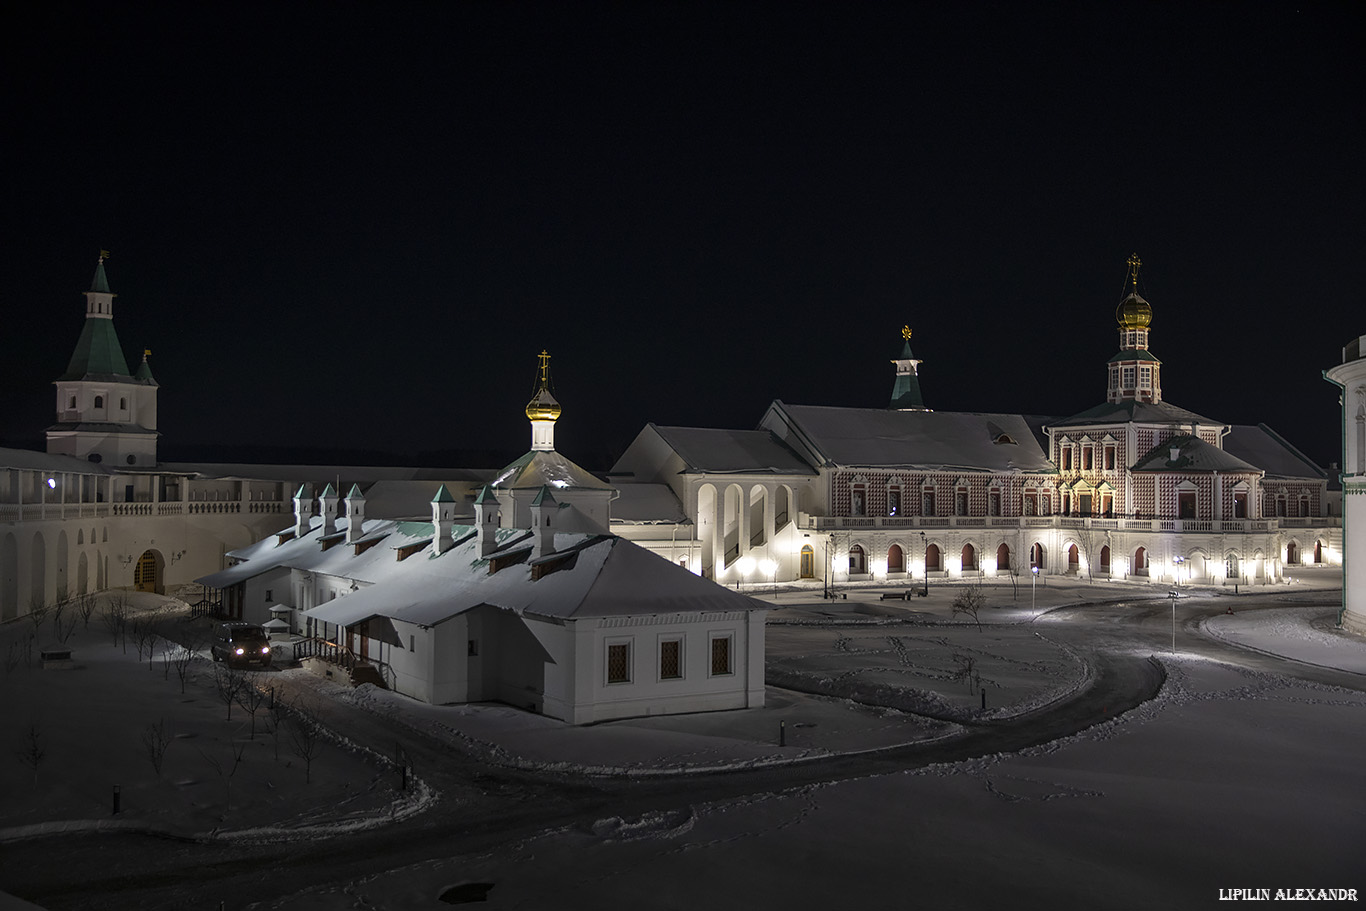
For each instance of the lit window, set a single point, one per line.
(894, 501)
(670, 659)
(619, 663)
(720, 656)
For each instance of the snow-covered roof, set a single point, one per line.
(1193, 454)
(585, 576)
(1270, 452)
(732, 451)
(1135, 412)
(918, 439)
(42, 461)
(547, 468)
(348, 474)
(647, 503)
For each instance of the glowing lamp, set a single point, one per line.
(746, 565)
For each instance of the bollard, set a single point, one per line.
(116, 800)
(782, 733)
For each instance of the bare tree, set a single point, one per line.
(226, 770)
(31, 750)
(64, 628)
(250, 696)
(181, 661)
(155, 739)
(115, 618)
(38, 609)
(13, 655)
(306, 738)
(228, 682)
(1086, 540)
(970, 600)
(966, 670)
(85, 606)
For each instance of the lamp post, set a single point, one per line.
(1173, 594)
(925, 562)
(1178, 560)
(1033, 587)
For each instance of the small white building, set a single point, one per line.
(552, 613)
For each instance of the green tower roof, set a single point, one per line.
(443, 496)
(98, 353)
(906, 389)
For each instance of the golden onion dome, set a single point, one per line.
(543, 406)
(1134, 312)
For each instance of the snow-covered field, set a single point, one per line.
(1229, 779)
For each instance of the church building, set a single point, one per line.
(1135, 488)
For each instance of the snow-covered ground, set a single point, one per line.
(1231, 778)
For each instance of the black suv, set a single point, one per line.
(241, 643)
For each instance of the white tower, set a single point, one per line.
(355, 514)
(486, 520)
(543, 510)
(303, 511)
(443, 519)
(104, 414)
(1350, 377)
(327, 504)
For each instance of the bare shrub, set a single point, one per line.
(85, 606)
(38, 609)
(226, 769)
(306, 738)
(970, 600)
(966, 670)
(250, 697)
(228, 683)
(181, 661)
(155, 739)
(31, 750)
(115, 618)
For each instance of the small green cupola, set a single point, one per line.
(906, 388)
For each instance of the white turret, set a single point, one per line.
(486, 520)
(303, 511)
(327, 503)
(443, 518)
(543, 410)
(355, 514)
(543, 510)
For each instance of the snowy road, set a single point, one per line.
(488, 813)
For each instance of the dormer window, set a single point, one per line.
(1004, 439)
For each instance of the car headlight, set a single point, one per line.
(265, 649)
(241, 651)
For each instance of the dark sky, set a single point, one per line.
(353, 226)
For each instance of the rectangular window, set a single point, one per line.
(670, 659)
(1067, 458)
(1240, 506)
(894, 502)
(960, 504)
(720, 656)
(1128, 377)
(995, 503)
(1109, 458)
(619, 662)
(929, 504)
(1145, 376)
(472, 648)
(1031, 504)
(1086, 458)
(412, 643)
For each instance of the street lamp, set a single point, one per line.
(1173, 594)
(1178, 560)
(769, 567)
(925, 562)
(1033, 586)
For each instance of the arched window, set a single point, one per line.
(1318, 551)
(1292, 553)
(1141, 562)
(123, 404)
(1105, 559)
(1003, 558)
(808, 567)
(1073, 559)
(72, 403)
(99, 401)
(858, 561)
(969, 557)
(896, 559)
(932, 561)
(1036, 556)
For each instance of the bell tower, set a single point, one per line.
(104, 414)
(906, 388)
(1134, 374)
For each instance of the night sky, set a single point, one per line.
(352, 227)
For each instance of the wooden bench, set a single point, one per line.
(56, 657)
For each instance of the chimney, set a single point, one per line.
(327, 500)
(303, 511)
(443, 516)
(543, 510)
(355, 514)
(486, 520)
(1175, 453)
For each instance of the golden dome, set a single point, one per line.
(543, 406)
(1134, 312)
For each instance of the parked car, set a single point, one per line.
(241, 643)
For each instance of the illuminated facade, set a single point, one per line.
(1135, 488)
(1350, 377)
